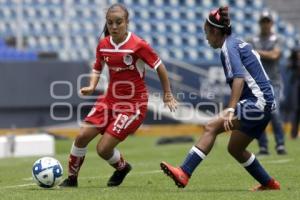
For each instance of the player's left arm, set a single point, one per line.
(94, 75)
(149, 56)
(273, 54)
(237, 74)
(168, 98)
(236, 92)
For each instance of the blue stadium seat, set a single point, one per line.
(2, 43)
(161, 27)
(75, 27)
(256, 4)
(207, 3)
(290, 43)
(193, 55)
(132, 27)
(159, 14)
(43, 42)
(176, 15)
(237, 15)
(30, 12)
(191, 16)
(26, 29)
(146, 27)
(56, 2)
(158, 3)
(164, 53)
(238, 29)
(8, 13)
(32, 42)
(11, 54)
(166, 24)
(162, 40)
(147, 38)
(175, 28)
(208, 54)
(191, 28)
(192, 41)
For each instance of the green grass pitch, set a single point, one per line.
(218, 177)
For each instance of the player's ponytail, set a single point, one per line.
(220, 19)
(225, 19)
(104, 31)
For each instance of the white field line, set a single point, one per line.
(17, 186)
(279, 161)
(87, 177)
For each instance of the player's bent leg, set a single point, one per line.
(77, 155)
(237, 148)
(197, 153)
(211, 130)
(106, 149)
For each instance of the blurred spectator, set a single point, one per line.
(295, 83)
(267, 44)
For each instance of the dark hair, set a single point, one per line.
(220, 19)
(105, 29)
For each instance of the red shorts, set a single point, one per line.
(116, 123)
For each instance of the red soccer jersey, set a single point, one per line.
(126, 63)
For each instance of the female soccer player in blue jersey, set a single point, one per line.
(248, 112)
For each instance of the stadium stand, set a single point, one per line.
(173, 27)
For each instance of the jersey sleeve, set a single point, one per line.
(233, 62)
(148, 55)
(98, 64)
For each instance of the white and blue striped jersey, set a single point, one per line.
(239, 60)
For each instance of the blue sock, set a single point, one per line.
(256, 170)
(192, 160)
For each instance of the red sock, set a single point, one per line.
(74, 165)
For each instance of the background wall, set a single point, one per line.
(26, 95)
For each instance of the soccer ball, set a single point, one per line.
(47, 172)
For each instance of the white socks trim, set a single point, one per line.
(115, 157)
(198, 151)
(249, 161)
(78, 152)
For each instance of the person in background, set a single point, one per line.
(248, 112)
(267, 44)
(294, 66)
(123, 108)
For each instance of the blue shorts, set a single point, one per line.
(253, 121)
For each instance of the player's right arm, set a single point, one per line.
(95, 74)
(94, 79)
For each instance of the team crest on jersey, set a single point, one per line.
(127, 59)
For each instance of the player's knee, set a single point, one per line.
(209, 129)
(82, 139)
(103, 151)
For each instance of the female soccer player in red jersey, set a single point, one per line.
(124, 106)
(249, 109)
